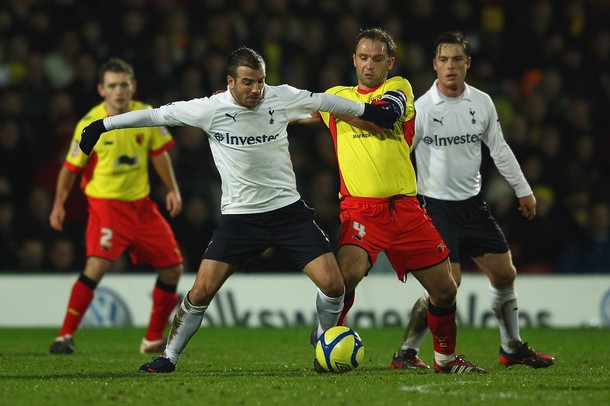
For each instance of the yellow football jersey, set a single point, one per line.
(118, 166)
(375, 165)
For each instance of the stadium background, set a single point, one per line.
(545, 64)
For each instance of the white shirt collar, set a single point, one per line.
(438, 97)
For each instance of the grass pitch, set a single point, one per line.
(240, 366)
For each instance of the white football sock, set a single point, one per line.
(417, 329)
(186, 322)
(329, 310)
(504, 305)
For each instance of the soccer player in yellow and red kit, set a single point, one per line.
(379, 208)
(122, 216)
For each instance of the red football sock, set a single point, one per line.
(80, 299)
(348, 302)
(165, 299)
(441, 322)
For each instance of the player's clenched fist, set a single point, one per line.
(90, 136)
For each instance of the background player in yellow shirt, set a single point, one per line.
(379, 208)
(122, 216)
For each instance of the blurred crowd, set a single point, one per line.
(545, 63)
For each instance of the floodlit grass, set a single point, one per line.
(240, 366)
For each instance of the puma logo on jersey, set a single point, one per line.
(438, 121)
(231, 116)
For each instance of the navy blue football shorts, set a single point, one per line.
(467, 226)
(292, 229)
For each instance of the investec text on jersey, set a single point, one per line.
(458, 139)
(244, 140)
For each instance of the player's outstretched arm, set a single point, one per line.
(381, 114)
(131, 119)
(310, 118)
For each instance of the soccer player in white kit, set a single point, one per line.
(453, 119)
(260, 206)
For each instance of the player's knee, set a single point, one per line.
(200, 296)
(178, 269)
(351, 281)
(444, 295)
(352, 275)
(336, 291)
(333, 287)
(96, 268)
(504, 278)
(172, 274)
(450, 293)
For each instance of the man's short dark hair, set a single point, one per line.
(244, 56)
(378, 34)
(452, 37)
(116, 65)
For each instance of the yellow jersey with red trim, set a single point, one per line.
(374, 165)
(118, 166)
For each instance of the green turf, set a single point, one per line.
(239, 366)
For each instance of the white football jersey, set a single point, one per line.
(249, 145)
(447, 145)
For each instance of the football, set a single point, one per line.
(339, 349)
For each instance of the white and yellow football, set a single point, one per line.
(339, 349)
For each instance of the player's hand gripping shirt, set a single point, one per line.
(249, 145)
(374, 165)
(118, 167)
(447, 144)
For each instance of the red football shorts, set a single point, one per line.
(115, 226)
(398, 226)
